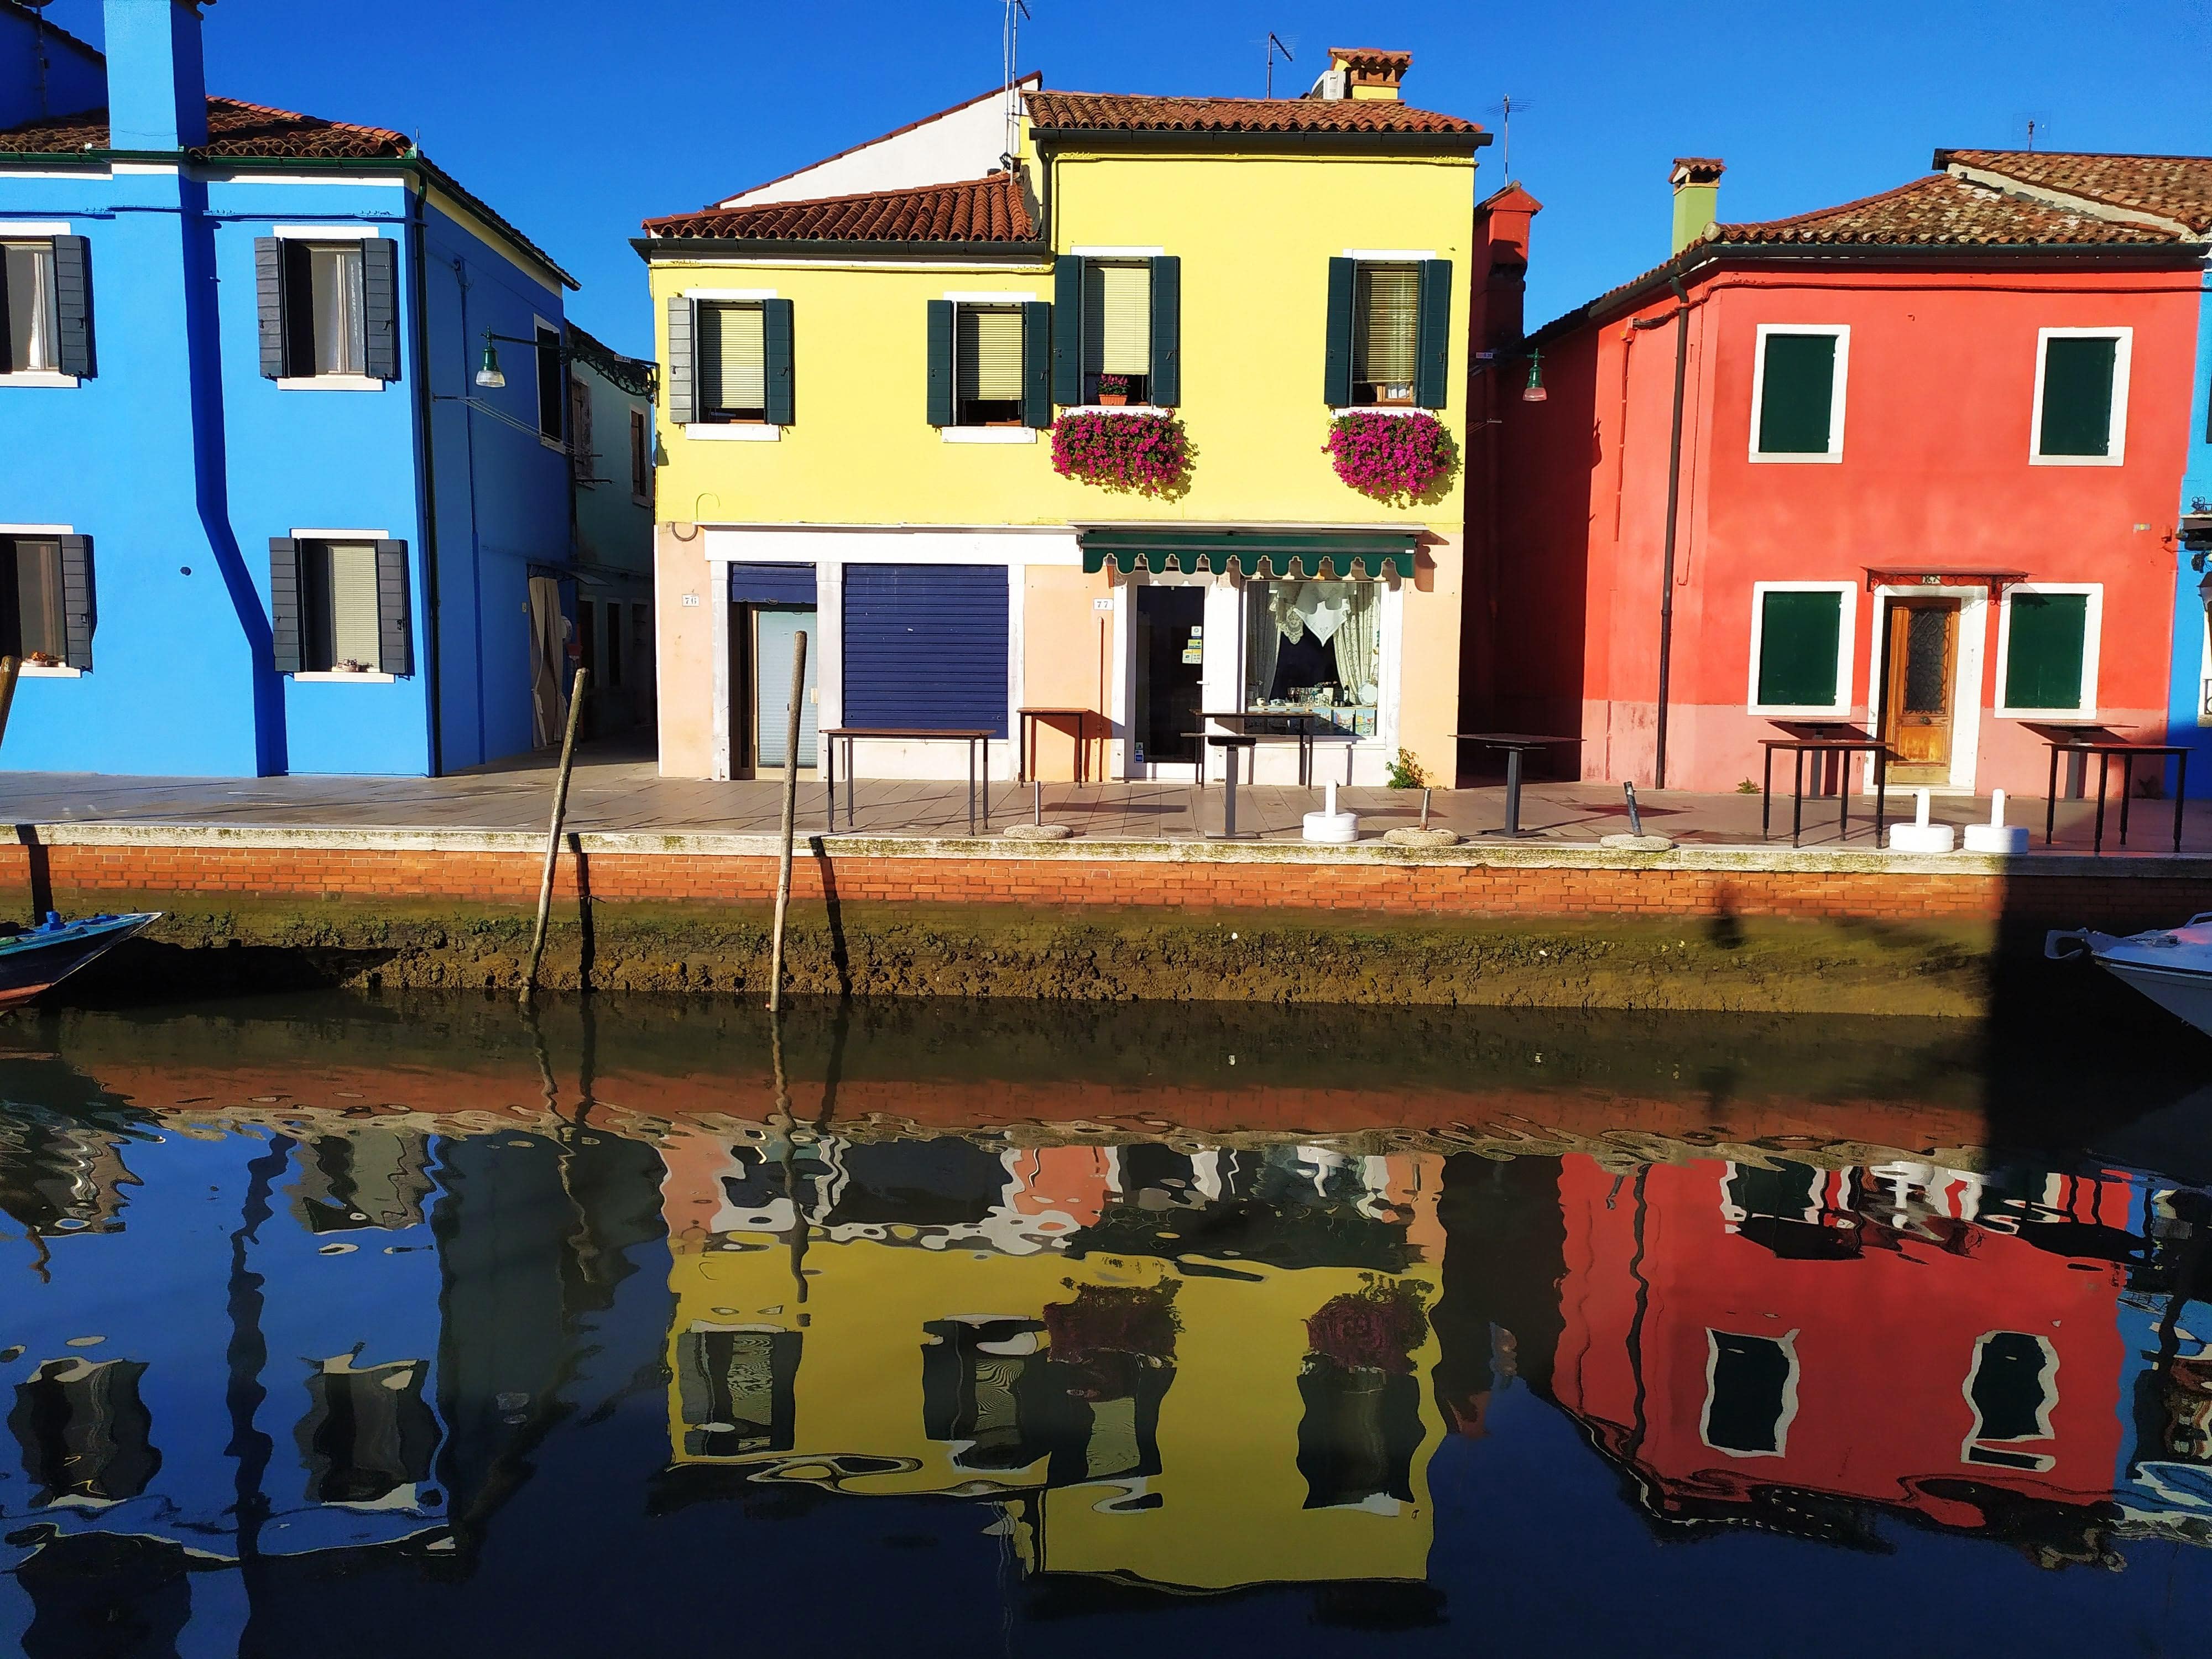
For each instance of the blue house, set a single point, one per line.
(2190, 710)
(267, 505)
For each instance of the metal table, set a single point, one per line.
(1242, 720)
(1229, 742)
(1819, 738)
(1025, 740)
(1516, 744)
(2104, 746)
(848, 735)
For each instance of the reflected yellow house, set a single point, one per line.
(973, 1353)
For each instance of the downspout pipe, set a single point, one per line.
(1667, 558)
(418, 254)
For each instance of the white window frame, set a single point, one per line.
(1837, 399)
(1009, 299)
(37, 671)
(1788, 1343)
(724, 432)
(328, 233)
(340, 676)
(545, 325)
(2093, 625)
(38, 230)
(1846, 651)
(2045, 1434)
(2116, 438)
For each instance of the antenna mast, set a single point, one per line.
(1016, 10)
(1274, 46)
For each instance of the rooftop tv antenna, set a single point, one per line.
(1016, 10)
(2037, 124)
(1276, 43)
(1504, 108)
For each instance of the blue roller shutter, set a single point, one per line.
(771, 584)
(925, 647)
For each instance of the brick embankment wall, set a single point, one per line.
(1721, 928)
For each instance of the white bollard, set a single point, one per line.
(1920, 835)
(1996, 835)
(1329, 825)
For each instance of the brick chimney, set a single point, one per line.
(156, 84)
(1501, 266)
(1697, 181)
(1363, 72)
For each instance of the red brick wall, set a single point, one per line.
(2123, 894)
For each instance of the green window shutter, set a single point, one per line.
(777, 321)
(1796, 394)
(79, 608)
(1036, 362)
(683, 379)
(2077, 399)
(1068, 333)
(395, 623)
(1166, 379)
(941, 362)
(380, 307)
(1432, 369)
(269, 295)
(1801, 638)
(1336, 370)
(2046, 643)
(284, 604)
(73, 306)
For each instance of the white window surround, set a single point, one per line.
(1389, 255)
(1966, 680)
(32, 230)
(1836, 391)
(546, 325)
(2092, 631)
(728, 294)
(339, 535)
(1788, 1343)
(326, 232)
(2116, 444)
(988, 297)
(1116, 252)
(731, 432)
(2045, 1404)
(1846, 649)
(1381, 409)
(988, 434)
(1116, 409)
(38, 670)
(328, 383)
(340, 677)
(38, 377)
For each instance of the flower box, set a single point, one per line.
(1395, 457)
(1147, 453)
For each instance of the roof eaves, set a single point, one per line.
(1403, 140)
(739, 248)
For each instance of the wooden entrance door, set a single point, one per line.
(1923, 659)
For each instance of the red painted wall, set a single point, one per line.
(1935, 470)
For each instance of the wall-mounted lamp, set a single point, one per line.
(488, 372)
(1533, 392)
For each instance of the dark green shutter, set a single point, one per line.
(1432, 364)
(1068, 331)
(284, 604)
(80, 610)
(269, 295)
(1799, 647)
(775, 334)
(941, 362)
(1166, 381)
(1796, 394)
(1336, 372)
(2046, 643)
(73, 304)
(395, 621)
(2077, 399)
(380, 307)
(1036, 362)
(681, 377)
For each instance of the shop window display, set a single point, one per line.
(1316, 646)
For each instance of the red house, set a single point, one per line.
(1914, 459)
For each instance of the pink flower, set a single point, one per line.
(1390, 456)
(1147, 453)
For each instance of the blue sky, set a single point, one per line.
(577, 119)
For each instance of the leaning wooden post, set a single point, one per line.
(790, 818)
(553, 835)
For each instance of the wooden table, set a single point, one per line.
(848, 735)
(2095, 740)
(1824, 738)
(1516, 744)
(1025, 740)
(1241, 719)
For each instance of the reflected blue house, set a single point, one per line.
(262, 511)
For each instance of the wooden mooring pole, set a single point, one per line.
(790, 819)
(553, 835)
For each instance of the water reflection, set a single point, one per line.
(330, 1332)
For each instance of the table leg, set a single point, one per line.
(1766, 791)
(1880, 794)
(830, 770)
(986, 785)
(2104, 772)
(1843, 797)
(849, 783)
(971, 786)
(2180, 793)
(2127, 792)
(1228, 794)
(1798, 801)
(2050, 799)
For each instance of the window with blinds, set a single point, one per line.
(339, 607)
(732, 356)
(1117, 329)
(31, 623)
(987, 356)
(29, 304)
(1385, 335)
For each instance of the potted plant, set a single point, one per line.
(1113, 388)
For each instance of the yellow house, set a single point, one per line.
(1028, 406)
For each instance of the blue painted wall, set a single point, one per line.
(2183, 720)
(181, 461)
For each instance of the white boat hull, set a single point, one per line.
(2171, 966)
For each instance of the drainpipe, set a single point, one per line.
(1673, 503)
(418, 294)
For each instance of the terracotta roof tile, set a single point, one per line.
(1373, 60)
(1093, 112)
(992, 208)
(1941, 210)
(234, 128)
(2177, 187)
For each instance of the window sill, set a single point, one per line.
(328, 383)
(38, 377)
(1118, 409)
(2077, 460)
(734, 432)
(39, 671)
(2084, 716)
(1381, 409)
(1797, 712)
(341, 677)
(1762, 458)
(988, 434)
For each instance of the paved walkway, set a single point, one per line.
(617, 789)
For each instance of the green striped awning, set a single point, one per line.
(1342, 554)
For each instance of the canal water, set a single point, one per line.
(344, 1326)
